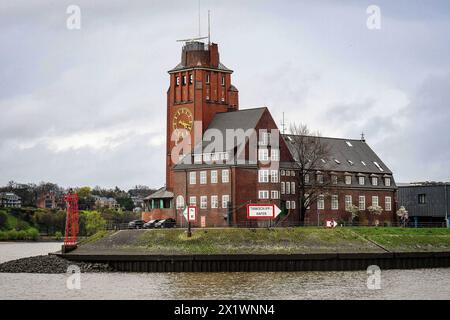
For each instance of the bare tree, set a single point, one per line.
(312, 156)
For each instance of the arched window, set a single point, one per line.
(180, 202)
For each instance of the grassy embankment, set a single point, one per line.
(275, 241)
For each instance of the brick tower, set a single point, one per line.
(200, 87)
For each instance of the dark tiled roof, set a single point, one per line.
(346, 150)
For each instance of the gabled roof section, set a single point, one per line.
(348, 155)
(160, 194)
(180, 67)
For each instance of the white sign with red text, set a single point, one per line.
(190, 213)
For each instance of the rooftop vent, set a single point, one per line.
(349, 143)
(350, 162)
(378, 166)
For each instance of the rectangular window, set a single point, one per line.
(348, 179)
(288, 187)
(214, 202)
(207, 78)
(293, 205)
(293, 187)
(293, 173)
(374, 181)
(203, 179)
(361, 181)
(177, 81)
(263, 154)
(275, 154)
(288, 205)
(214, 176)
(334, 202)
(223, 80)
(283, 191)
(191, 79)
(263, 194)
(225, 176)
(283, 173)
(225, 200)
(264, 139)
(321, 202)
(203, 202)
(274, 194)
(374, 200)
(388, 203)
(288, 173)
(192, 201)
(348, 202)
(334, 179)
(320, 178)
(263, 176)
(422, 198)
(362, 203)
(274, 176)
(307, 178)
(387, 182)
(184, 80)
(193, 177)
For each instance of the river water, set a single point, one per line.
(395, 284)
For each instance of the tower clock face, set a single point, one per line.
(183, 122)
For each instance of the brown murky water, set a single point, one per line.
(395, 284)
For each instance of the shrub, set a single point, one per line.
(58, 235)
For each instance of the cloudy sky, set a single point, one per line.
(87, 106)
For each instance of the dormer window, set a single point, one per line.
(320, 178)
(348, 179)
(374, 181)
(361, 181)
(334, 179)
(387, 182)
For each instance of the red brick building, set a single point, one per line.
(220, 158)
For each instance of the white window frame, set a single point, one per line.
(263, 176)
(320, 178)
(375, 201)
(288, 187)
(388, 203)
(263, 194)
(204, 202)
(203, 177)
(348, 201)
(306, 178)
(263, 154)
(288, 173)
(193, 177)
(361, 180)
(374, 181)
(321, 202)
(283, 173)
(293, 205)
(275, 154)
(225, 200)
(292, 173)
(225, 176)
(334, 179)
(214, 176)
(180, 202)
(283, 188)
(362, 202)
(292, 187)
(274, 178)
(387, 182)
(214, 202)
(274, 194)
(334, 202)
(308, 206)
(193, 201)
(288, 205)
